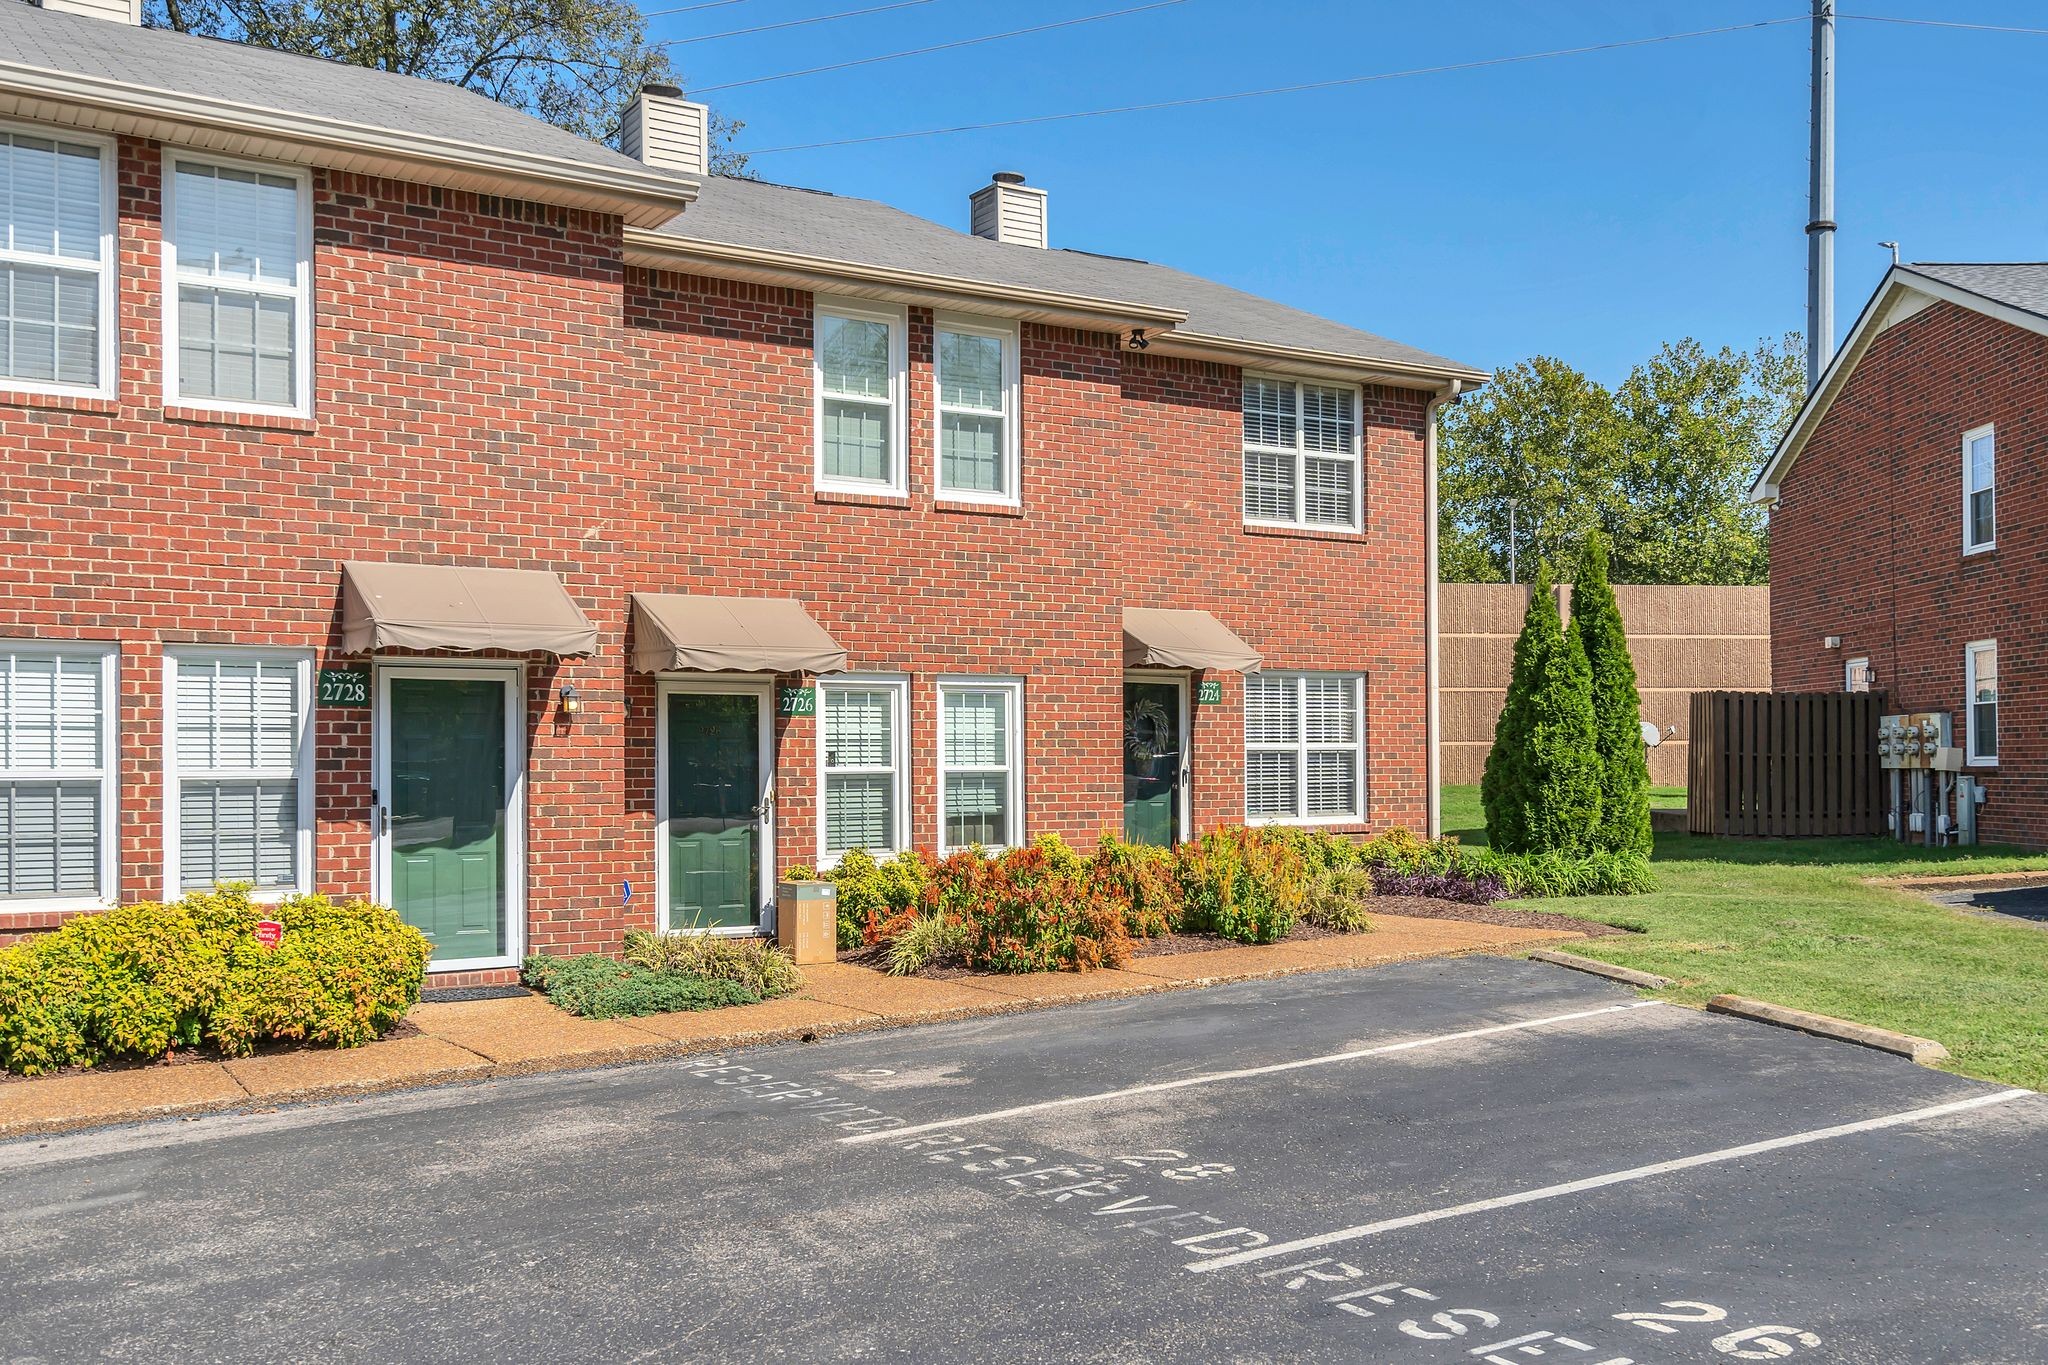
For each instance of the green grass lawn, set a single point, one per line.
(1796, 922)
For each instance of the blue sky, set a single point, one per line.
(1588, 207)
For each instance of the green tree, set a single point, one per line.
(575, 63)
(1541, 787)
(1624, 767)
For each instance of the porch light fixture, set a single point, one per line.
(572, 700)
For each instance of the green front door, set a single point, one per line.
(1152, 763)
(714, 810)
(446, 809)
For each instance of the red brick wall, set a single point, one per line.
(494, 387)
(1866, 541)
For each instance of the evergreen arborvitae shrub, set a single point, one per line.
(1541, 789)
(1617, 709)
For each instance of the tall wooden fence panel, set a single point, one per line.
(1785, 764)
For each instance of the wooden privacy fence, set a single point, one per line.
(1785, 764)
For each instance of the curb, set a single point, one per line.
(1923, 1050)
(1649, 981)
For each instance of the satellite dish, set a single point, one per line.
(1652, 736)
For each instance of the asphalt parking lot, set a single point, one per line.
(1465, 1160)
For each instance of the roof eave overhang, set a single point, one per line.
(1899, 284)
(1315, 363)
(227, 126)
(818, 274)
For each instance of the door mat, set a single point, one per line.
(451, 995)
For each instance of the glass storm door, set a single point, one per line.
(715, 810)
(1152, 763)
(446, 740)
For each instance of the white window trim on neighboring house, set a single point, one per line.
(1971, 651)
(897, 318)
(1008, 333)
(898, 686)
(107, 773)
(1989, 431)
(1301, 456)
(107, 268)
(301, 771)
(300, 291)
(1013, 756)
(1302, 747)
(1854, 671)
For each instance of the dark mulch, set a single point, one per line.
(1428, 907)
(455, 995)
(405, 1028)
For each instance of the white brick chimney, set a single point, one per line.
(1008, 210)
(664, 130)
(120, 11)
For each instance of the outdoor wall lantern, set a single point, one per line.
(572, 700)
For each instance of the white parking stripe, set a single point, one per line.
(1596, 1182)
(1212, 1077)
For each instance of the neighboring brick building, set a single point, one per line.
(1909, 540)
(495, 540)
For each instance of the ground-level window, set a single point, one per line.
(1304, 747)
(862, 727)
(56, 772)
(1980, 489)
(237, 771)
(1856, 675)
(981, 763)
(1980, 668)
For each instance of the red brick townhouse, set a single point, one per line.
(1909, 538)
(402, 497)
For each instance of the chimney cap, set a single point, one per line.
(1007, 178)
(674, 92)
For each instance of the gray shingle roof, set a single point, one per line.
(2017, 284)
(751, 213)
(285, 82)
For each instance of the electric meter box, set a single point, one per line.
(1914, 742)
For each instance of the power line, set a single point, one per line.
(792, 23)
(690, 9)
(937, 47)
(1270, 90)
(1944, 23)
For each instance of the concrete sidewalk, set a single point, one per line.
(477, 1040)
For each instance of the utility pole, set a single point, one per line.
(1820, 229)
(1512, 580)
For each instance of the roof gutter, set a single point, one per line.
(639, 196)
(1236, 350)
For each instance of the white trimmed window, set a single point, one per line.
(238, 771)
(1980, 489)
(238, 274)
(1304, 737)
(1856, 675)
(57, 260)
(976, 438)
(861, 363)
(863, 765)
(57, 782)
(981, 763)
(1301, 460)
(1980, 683)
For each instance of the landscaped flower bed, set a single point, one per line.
(663, 973)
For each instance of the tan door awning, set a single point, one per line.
(729, 635)
(1156, 638)
(447, 606)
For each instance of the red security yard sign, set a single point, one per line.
(269, 933)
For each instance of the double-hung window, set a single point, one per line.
(981, 763)
(862, 746)
(977, 435)
(57, 315)
(238, 272)
(1304, 748)
(861, 361)
(57, 773)
(1301, 458)
(239, 791)
(1980, 489)
(1980, 683)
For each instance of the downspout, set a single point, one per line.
(1432, 723)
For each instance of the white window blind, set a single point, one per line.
(980, 764)
(861, 734)
(56, 272)
(1980, 489)
(1301, 461)
(1304, 747)
(241, 279)
(238, 753)
(859, 364)
(54, 774)
(976, 408)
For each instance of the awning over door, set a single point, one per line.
(1157, 638)
(447, 606)
(729, 635)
